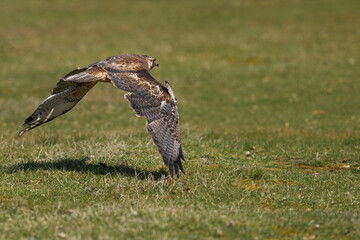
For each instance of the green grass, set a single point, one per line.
(279, 79)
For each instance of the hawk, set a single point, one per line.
(147, 97)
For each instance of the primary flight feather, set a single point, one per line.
(147, 97)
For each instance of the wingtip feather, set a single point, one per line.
(181, 154)
(177, 170)
(21, 132)
(171, 170)
(181, 167)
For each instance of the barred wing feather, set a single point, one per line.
(63, 98)
(150, 99)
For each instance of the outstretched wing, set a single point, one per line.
(157, 104)
(67, 93)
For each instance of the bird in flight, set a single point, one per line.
(147, 97)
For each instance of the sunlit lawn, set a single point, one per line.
(268, 96)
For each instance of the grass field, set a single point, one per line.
(279, 79)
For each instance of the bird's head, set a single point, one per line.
(151, 62)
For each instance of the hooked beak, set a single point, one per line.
(156, 63)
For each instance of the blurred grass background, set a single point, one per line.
(279, 79)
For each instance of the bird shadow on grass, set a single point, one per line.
(80, 165)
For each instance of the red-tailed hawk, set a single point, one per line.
(147, 97)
